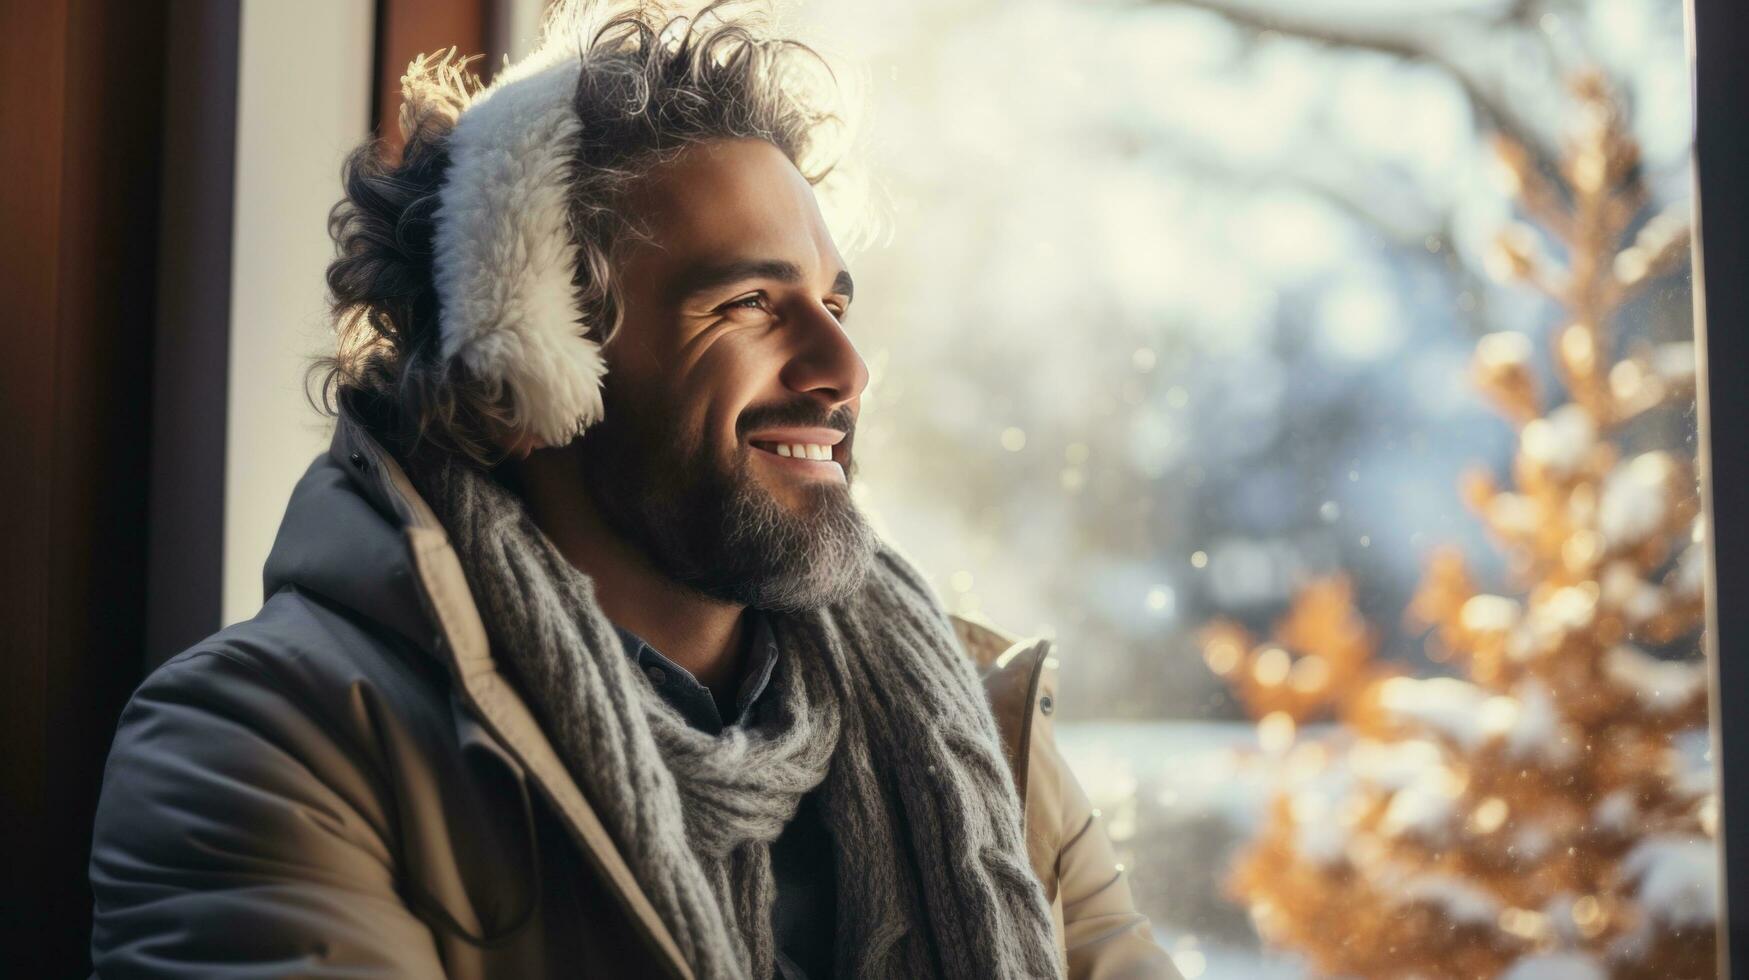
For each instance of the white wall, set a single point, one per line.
(514, 26)
(303, 102)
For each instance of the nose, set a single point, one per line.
(826, 364)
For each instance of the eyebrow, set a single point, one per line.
(707, 277)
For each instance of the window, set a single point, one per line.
(1260, 351)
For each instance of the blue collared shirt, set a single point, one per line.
(693, 700)
(804, 916)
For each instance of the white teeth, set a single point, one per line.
(803, 450)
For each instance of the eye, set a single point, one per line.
(758, 301)
(754, 301)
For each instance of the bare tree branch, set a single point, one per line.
(1408, 237)
(1493, 112)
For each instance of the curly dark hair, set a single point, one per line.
(647, 90)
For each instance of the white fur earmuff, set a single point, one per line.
(503, 257)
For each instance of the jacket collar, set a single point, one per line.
(358, 533)
(342, 538)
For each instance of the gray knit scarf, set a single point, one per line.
(874, 699)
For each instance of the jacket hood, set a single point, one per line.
(344, 537)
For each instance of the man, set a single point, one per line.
(577, 658)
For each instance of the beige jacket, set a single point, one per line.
(346, 784)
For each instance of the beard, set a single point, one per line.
(712, 526)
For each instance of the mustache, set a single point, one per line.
(796, 414)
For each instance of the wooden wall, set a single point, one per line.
(79, 178)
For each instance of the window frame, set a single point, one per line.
(1718, 44)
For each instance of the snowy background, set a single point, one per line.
(1170, 307)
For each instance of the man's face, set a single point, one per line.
(731, 369)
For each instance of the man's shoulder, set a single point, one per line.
(983, 641)
(298, 655)
(1015, 671)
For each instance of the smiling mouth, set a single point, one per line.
(814, 459)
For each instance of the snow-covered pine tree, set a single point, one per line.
(1547, 809)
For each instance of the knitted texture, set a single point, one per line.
(876, 705)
